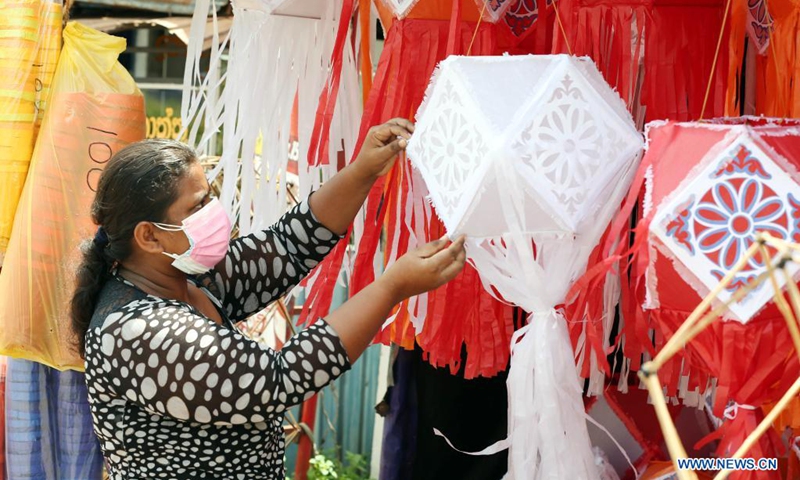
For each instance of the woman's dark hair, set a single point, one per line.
(139, 184)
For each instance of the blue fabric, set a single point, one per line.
(400, 424)
(48, 425)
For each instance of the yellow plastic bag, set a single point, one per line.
(30, 41)
(95, 110)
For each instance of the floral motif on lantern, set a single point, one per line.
(794, 217)
(759, 23)
(678, 226)
(565, 141)
(729, 216)
(450, 146)
(742, 162)
(494, 9)
(521, 16)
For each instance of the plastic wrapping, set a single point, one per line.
(30, 41)
(95, 110)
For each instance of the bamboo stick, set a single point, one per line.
(671, 348)
(779, 242)
(697, 322)
(780, 300)
(691, 327)
(673, 441)
(695, 315)
(794, 293)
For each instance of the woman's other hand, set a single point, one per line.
(359, 319)
(425, 268)
(337, 202)
(382, 145)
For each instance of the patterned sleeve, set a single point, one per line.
(264, 265)
(174, 362)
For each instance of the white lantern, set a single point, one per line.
(529, 157)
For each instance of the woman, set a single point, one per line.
(175, 391)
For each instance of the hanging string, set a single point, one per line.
(716, 57)
(477, 26)
(561, 25)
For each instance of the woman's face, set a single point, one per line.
(193, 194)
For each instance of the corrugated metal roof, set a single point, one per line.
(291, 8)
(179, 26)
(175, 7)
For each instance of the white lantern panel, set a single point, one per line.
(452, 142)
(511, 81)
(482, 218)
(549, 119)
(575, 144)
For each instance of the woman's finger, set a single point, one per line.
(387, 132)
(450, 271)
(389, 152)
(449, 255)
(458, 244)
(405, 123)
(432, 248)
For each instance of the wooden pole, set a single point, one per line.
(693, 330)
(673, 441)
(780, 300)
(676, 342)
(305, 447)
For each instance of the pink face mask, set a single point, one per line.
(209, 232)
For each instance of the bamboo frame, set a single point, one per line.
(699, 319)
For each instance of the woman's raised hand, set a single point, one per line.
(425, 268)
(381, 146)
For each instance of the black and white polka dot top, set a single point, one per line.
(174, 395)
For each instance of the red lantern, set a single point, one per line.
(710, 188)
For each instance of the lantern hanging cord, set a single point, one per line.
(561, 26)
(477, 26)
(716, 57)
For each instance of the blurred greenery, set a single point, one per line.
(327, 466)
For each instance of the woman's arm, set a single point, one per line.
(360, 318)
(259, 268)
(262, 266)
(338, 201)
